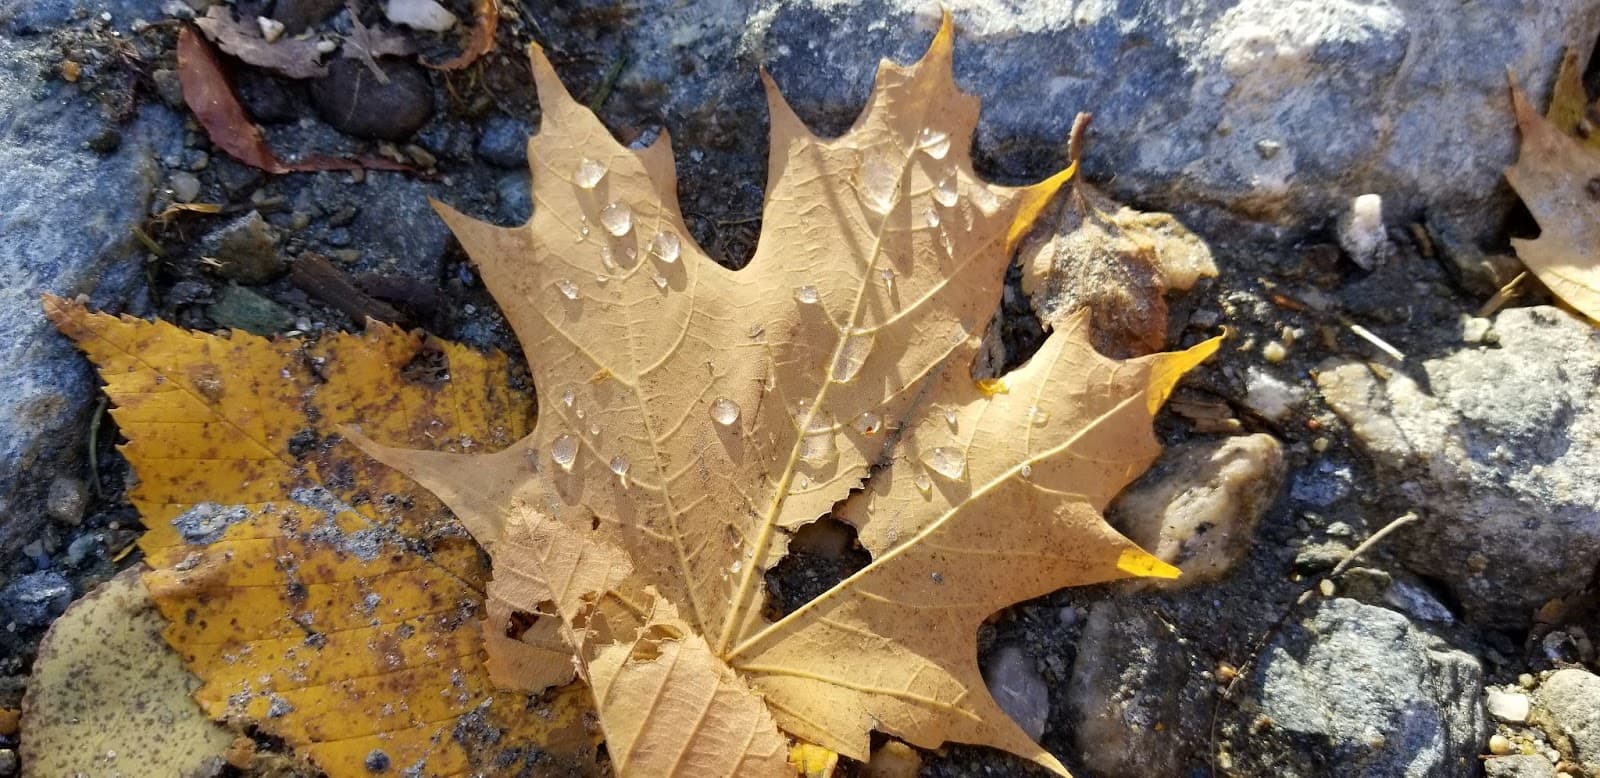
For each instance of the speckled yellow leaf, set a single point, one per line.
(322, 598)
(695, 416)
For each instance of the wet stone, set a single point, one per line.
(33, 600)
(504, 142)
(352, 100)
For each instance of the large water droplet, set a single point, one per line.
(568, 289)
(946, 461)
(724, 411)
(934, 143)
(817, 448)
(619, 466)
(564, 450)
(807, 294)
(879, 179)
(588, 174)
(945, 193)
(666, 245)
(617, 218)
(868, 423)
(852, 355)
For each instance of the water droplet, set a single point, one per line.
(879, 179)
(583, 230)
(986, 201)
(945, 192)
(594, 428)
(1040, 417)
(946, 461)
(1027, 470)
(724, 411)
(868, 423)
(666, 245)
(888, 279)
(568, 289)
(756, 330)
(661, 281)
(817, 448)
(564, 451)
(569, 397)
(807, 294)
(607, 260)
(588, 174)
(930, 217)
(736, 566)
(934, 143)
(924, 484)
(852, 355)
(802, 481)
(619, 466)
(950, 418)
(617, 218)
(579, 413)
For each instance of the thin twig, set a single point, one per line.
(1372, 337)
(603, 91)
(1374, 539)
(1501, 295)
(94, 444)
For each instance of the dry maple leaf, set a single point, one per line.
(322, 598)
(694, 416)
(1558, 178)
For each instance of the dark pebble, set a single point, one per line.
(33, 600)
(269, 99)
(377, 761)
(504, 142)
(338, 236)
(352, 100)
(106, 141)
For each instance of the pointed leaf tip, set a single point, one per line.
(1141, 564)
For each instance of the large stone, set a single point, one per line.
(1278, 109)
(1497, 449)
(66, 228)
(1127, 695)
(1569, 710)
(1356, 690)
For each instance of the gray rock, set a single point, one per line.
(352, 99)
(1568, 709)
(1125, 697)
(1519, 766)
(1198, 506)
(66, 499)
(1270, 108)
(397, 231)
(33, 600)
(1362, 234)
(66, 228)
(515, 203)
(1356, 690)
(1015, 684)
(1497, 453)
(247, 250)
(28, 17)
(241, 309)
(1510, 707)
(504, 142)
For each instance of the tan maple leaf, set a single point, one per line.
(692, 417)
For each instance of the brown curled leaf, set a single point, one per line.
(481, 39)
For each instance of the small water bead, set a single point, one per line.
(924, 484)
(1027, 470)
(946, 461)
(661, 281)
(619, 466)
(568, 289)
(879, 179)
(937, 577)
(802, 481)
(888, 279)
(736, 566)
(950, 418)
(607, 260)
(724, 411)
(852, 355)
(930, 217)
(569, 397)
(817, 448)
(868, 423)
(617, 218)
(1039, 416)
(986, 201)
(934, 143)
(564, 451)
(579, 413)
(588, 174)
(807, 295)
(666, 246)
(945, 193)
(594, 428)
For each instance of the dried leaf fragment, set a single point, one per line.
(1558, 178)
(292, 57)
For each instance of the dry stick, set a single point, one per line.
(1261, 641)
(1501, 295)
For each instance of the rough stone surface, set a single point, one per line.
(1356, 690)
(1273, 108)
(1569, 710)
(1127, 680)
(33, 600)
(1198, 507)
(67, 229)
(1519, 766)
(1498, 449)
(504, 142)
(351, 98)
(1015, 684)
(246, 250)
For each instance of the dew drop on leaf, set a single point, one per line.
(568, 397)
(852, 355)
(945, 192)
(619, 466)
(879, 178)
(607, 261)
(617, 218)
(588, 174)
(724, 411)
(802, 481)
(817, 448)
(888, 279)
(950, 418)
(568, 289)
(594, 428)
(736, 566)
(807, 294)
(868, 423)
(1027, 470)
(660, 280)
(934, 143)
(930, 217)
(666, 245)
(924, 484)
(946, 461)
(564, 451)
(1039, 416)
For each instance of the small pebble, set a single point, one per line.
(1499, 745)
(1509, 707)
(1361, 232)
(66, 499)
(185, 187)
(1326, 588)
(1474, 329)
(271, 29)
(8, 763)
(1274, 352)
